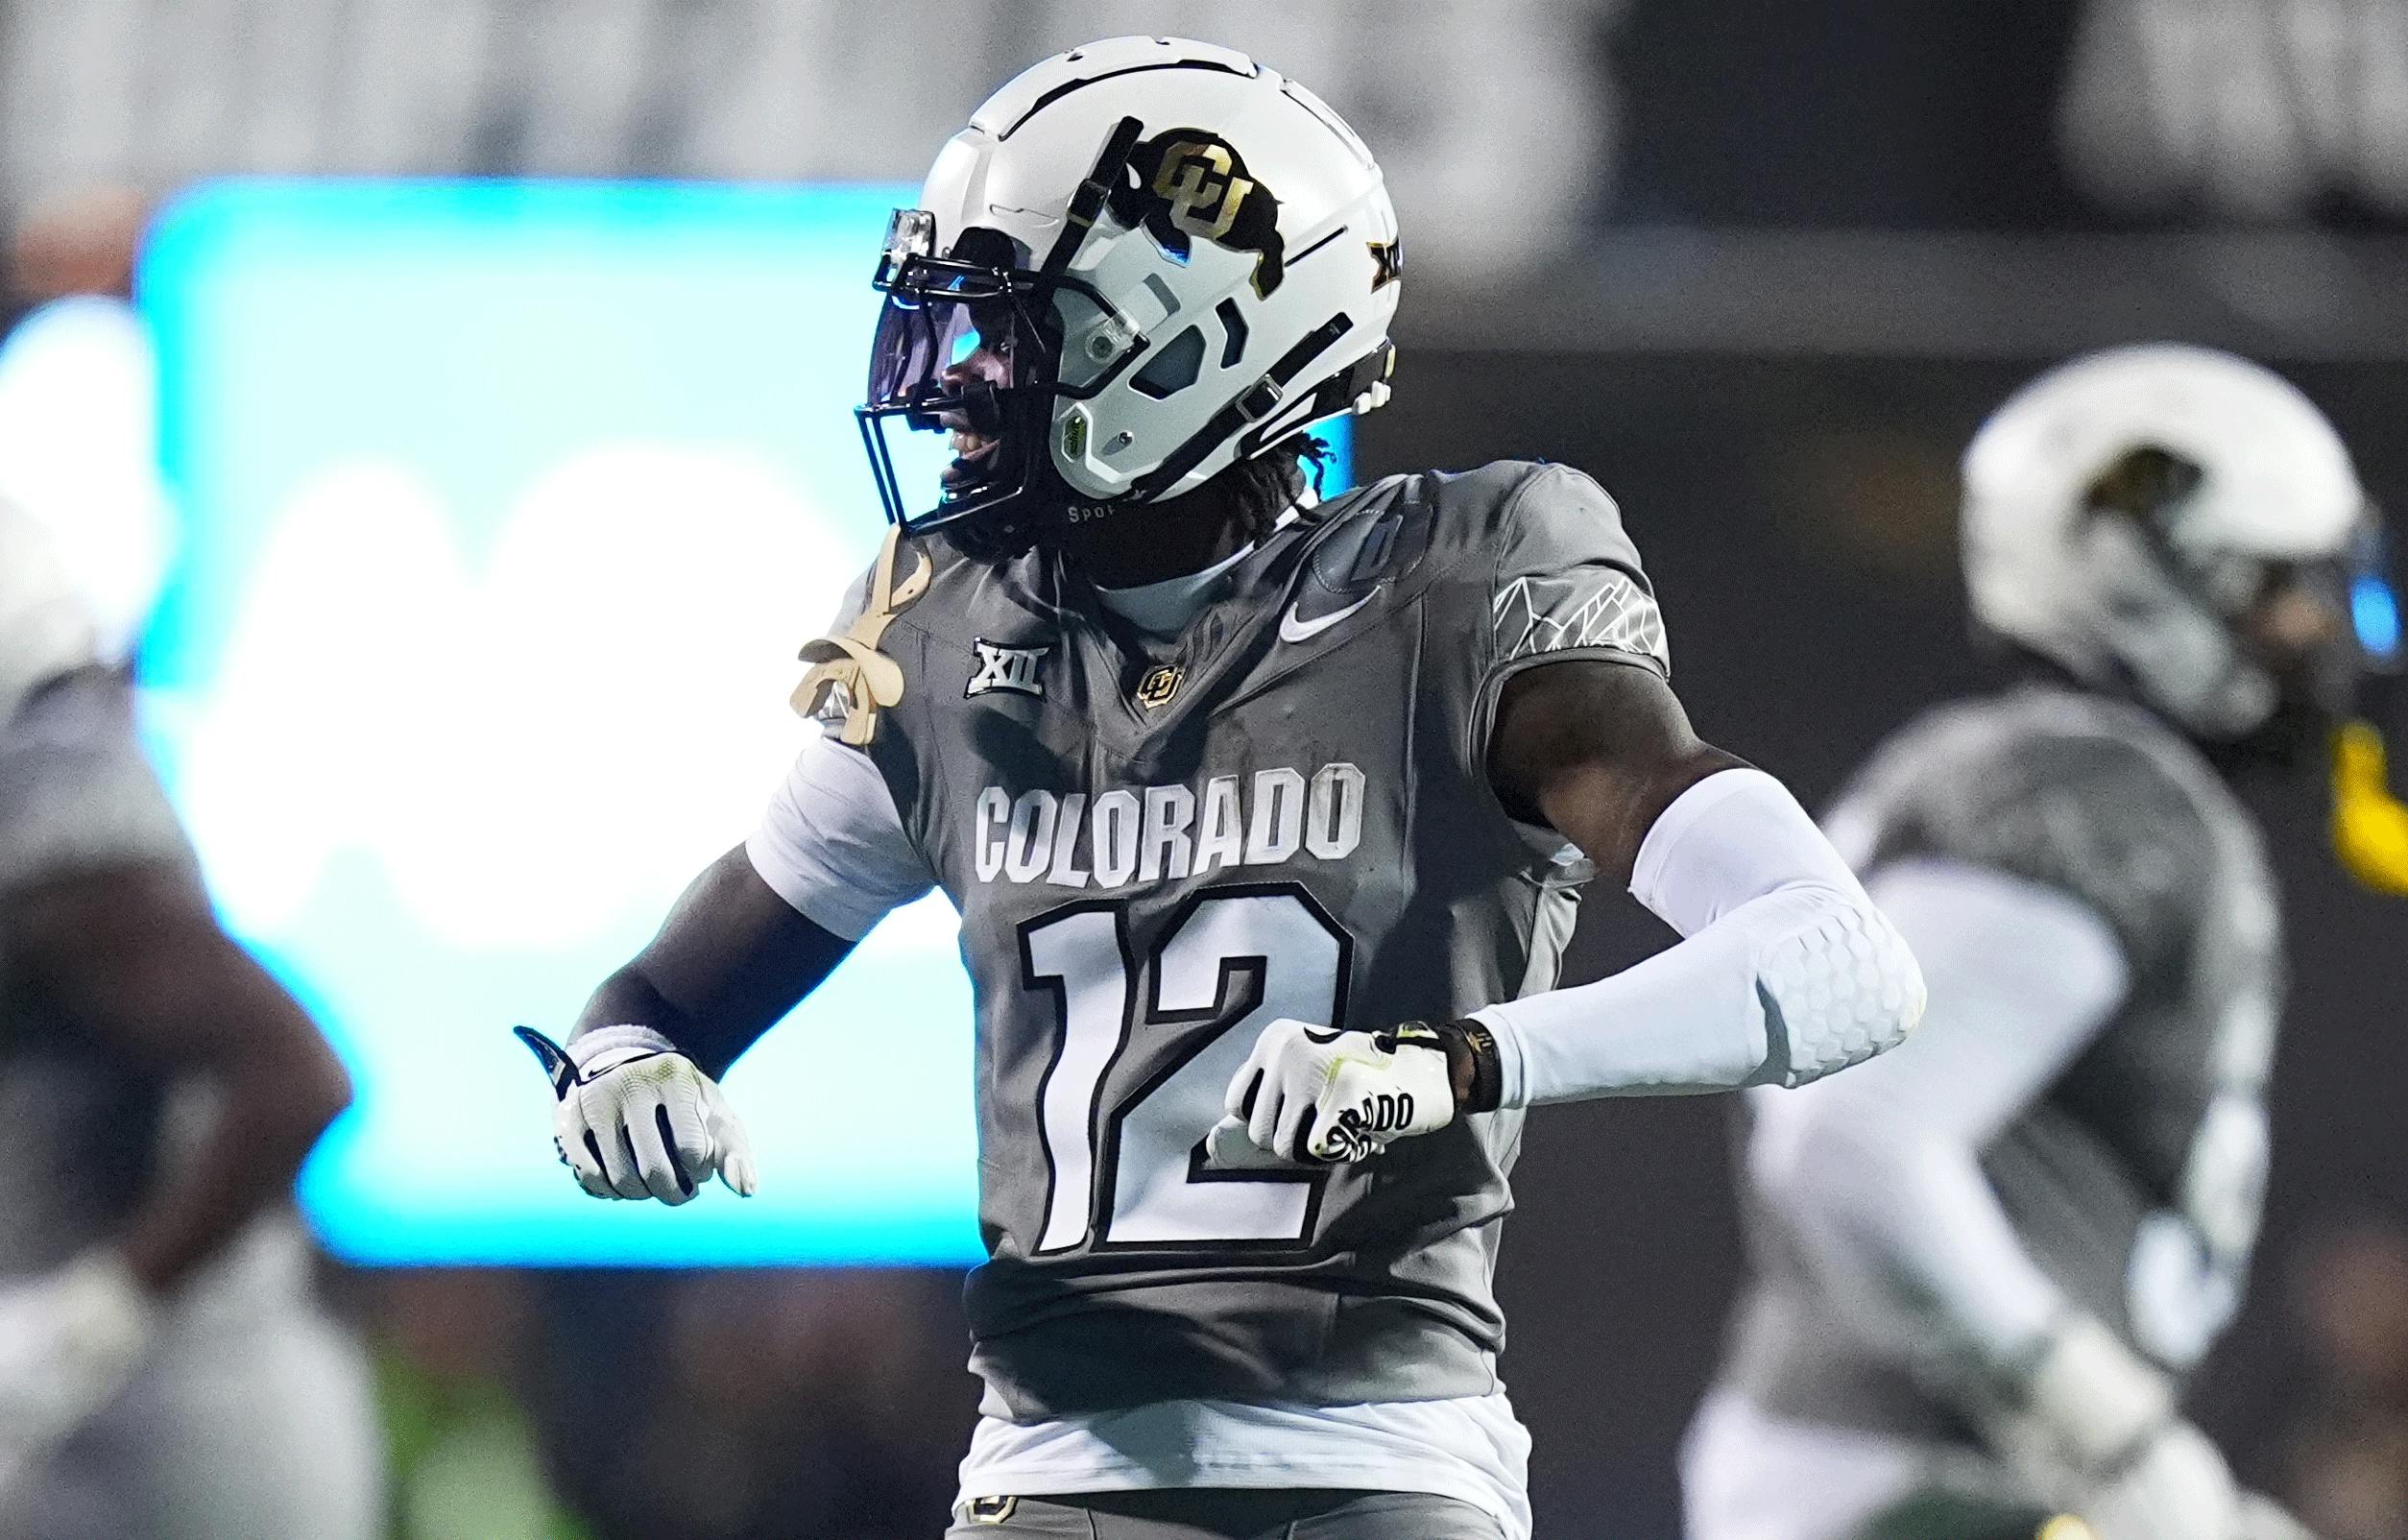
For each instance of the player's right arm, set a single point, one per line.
(640, 1113)
(731, 959)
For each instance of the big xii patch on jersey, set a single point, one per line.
(2136, 1179)
(1158, 850)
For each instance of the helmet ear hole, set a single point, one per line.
(1173, 369)
(2144, 484)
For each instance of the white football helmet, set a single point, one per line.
(1167, 258)
(2153, 606)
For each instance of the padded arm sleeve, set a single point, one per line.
(832, 845)
(1787, 970)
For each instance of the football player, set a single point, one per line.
(163, 1370)
(1982, 1267)
(1266, 821)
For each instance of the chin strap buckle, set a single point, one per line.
(2369, 825)
(849, 675)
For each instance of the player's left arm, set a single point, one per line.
(1786, 971)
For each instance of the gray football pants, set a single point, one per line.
(1224, 1514)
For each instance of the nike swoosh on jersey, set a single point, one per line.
(1294, 628)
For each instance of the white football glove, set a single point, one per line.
(636, 1118)
(2099, 1423)
(68, 1343)
(1317, 1094)
(2176, 1487)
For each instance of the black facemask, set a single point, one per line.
(981, 297)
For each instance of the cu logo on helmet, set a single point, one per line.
(1199, 183)
(1192, 186)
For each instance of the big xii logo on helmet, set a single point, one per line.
(1190, 184)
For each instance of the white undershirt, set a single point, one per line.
(1472, 1449)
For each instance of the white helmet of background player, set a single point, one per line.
(1167, 257)
(2258, 492)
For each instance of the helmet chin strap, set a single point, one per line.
(2369, 825)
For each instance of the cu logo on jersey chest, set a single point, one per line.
(1159, 685)
(1001, 667)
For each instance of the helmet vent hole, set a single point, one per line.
(1173, 369)
(1234, 323)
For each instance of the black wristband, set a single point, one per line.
(1487, 1069)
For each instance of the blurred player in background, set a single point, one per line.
(1983, 1266)
(1266, 821)
(164, 1371)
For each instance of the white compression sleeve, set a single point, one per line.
(1787, 970)
(832, 845)
(1878, 1173)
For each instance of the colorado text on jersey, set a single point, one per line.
(1168, 832)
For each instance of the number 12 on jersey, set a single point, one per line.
(1132, 1173)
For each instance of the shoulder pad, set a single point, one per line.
(1374, 535)
(2115, 813)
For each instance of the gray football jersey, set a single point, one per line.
(1158, 848)
(2136, 1179)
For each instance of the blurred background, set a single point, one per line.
(399, 464)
